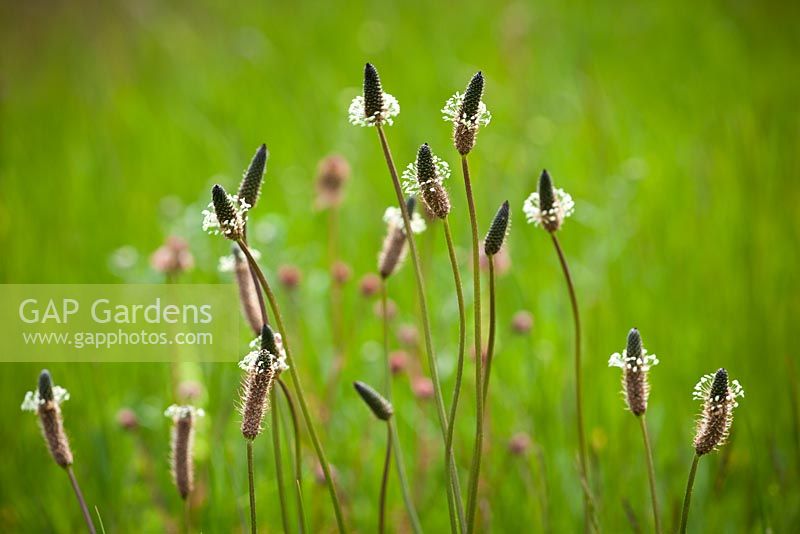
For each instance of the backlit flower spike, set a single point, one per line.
(393, 217)
(182, 411)
(46, 403)
(374, 107)
(719, 400)
(549, 206)
(635, 364)
(467, 113)
(424, 177)
(394, 248)
(225, 214)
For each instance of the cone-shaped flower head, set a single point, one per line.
(250, 188)
(393, 251)
(381, 407)
(425, 177)
(549, 206)
(497, 231)
(375, 107)
(262, 366)
(182, 445)
(46, 403)
(468, 113)
(635, 364)
(225, 215)
(719, 400)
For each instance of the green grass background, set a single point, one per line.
(674, 126)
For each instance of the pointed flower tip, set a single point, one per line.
(497, 231)
(381, 407)
(45, 385)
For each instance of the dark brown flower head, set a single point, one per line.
(472, 98)
(332, 173)
(261, 367)
(429, 177)
(719, 400)
(381, 407)
(46, 401)
(548, 206)
(228, 216)
(45, 386)
(497, 231)
(468, 113)
(373, 92)
(635, 364)
(250, 188)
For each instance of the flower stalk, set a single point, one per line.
(297, 386)
(714, 425)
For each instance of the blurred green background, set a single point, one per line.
(674, 126)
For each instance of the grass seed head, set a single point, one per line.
(261, 371)
(182, 445)
(251, 309)
(635, 363)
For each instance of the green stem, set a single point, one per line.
(384, 482)
(298, 388)
(298, 468)
(462, 329)
(187, 517)
(252, 486)
(276, 453)
(688, 497)
(587, 500)
(453, 491)
(475, 469)
(651, 473)
(79, 495)
(398, 454)
(492, 330)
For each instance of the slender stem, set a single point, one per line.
(462, 329)
(298, 468)
(298, 387)
(385, 481)
(492, 330)
(475, 470)
(386, 363)
(578, 382)
(252, 486)
(78, 495)
(453, 489)
(187, 517)
(651, 474)
(398, 453)
(688, 497)
(276, 453)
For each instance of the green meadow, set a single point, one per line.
(673, 125)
